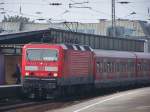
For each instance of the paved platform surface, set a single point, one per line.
(137, 100)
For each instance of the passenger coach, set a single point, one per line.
(117, 68)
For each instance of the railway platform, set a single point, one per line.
(8, 91)
(137, 100)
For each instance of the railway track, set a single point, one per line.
(44, 105)
(19, 105)
(38, 105)
(41, 106)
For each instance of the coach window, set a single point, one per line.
(134, 67)
(125, 67)
(121, 67)
(108, 67)
(105, 67)
(98, 66)
(147, 66)
(115, 67)
(138, 67)
(118, 67)
(128, 67)
(112, 67)
(142, 66)
(131, 67)
(101, 67)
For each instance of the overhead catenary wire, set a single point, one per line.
(131, 10)
(66, 10)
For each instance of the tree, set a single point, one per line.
(17, 19)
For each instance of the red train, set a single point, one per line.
(49, 69)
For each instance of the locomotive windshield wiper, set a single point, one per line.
(27, 54)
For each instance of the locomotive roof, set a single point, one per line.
(66, 46)
(76, 47)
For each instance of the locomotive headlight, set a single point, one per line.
(27, 74)
(55, 74)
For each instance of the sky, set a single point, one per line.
(88, 10)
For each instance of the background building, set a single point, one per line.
(124, 28)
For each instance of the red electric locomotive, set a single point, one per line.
(47, 68)
(50, 69)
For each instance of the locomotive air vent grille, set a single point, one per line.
(77, 47)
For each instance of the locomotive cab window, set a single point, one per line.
(42, 55)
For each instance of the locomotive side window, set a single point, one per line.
(42, 55)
